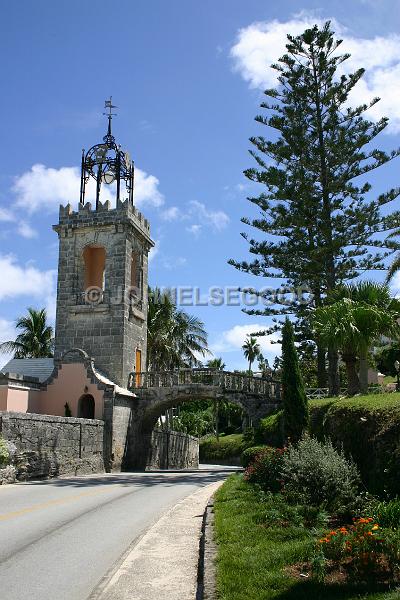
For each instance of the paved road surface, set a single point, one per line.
(58, 538)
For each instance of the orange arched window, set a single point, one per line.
(94, 258)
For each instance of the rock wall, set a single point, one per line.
(48, 446)
(173, 450)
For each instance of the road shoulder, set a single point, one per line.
(163, 564)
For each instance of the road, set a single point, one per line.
(59, 538)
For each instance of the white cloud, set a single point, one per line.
(197, 211)
(262, 43)
(233, 339)
(171, 214)
(146, 189)
(25, 280)
(173, 263)
(27, 231)
(395, 285)
(6, 215)
(216, 219)
(195, 230)
(7, 332)
(154, 251)
(45, 188)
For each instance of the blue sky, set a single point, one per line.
(187, 78)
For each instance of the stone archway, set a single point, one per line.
(86, 407)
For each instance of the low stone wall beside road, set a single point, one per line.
(173, 450)
(48, 446)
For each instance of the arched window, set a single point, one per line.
(86, 407)
(94, 258)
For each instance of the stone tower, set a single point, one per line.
(102, 269)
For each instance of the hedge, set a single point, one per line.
(227, 448)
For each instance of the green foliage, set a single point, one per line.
(249, 455)
(197, 423)
(266, 469)
(4, 454)
(251, 350)
(358, 315)
(270, 430)
(387, 514)
(174, 338)
(35, 339)
(67, 410)
(386, 356)
(295, 405)
(259, 540)
(316, 474)
(363, 551)
(228, 447)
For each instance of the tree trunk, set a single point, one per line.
(353, 383)
(321, 367)
(333, 372)
(217, 419)
(363, 372)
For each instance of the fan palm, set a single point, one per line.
(35, 339)
(251, 350)
(359, 316)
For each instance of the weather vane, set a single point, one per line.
(109, 105)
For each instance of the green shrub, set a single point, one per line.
(226, 448)
(249, 455)
(316, 474)
(270, 430)
(265, 471)
(4, 453)
(387, 514)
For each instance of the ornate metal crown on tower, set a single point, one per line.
(107, 163)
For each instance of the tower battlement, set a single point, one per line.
(86, 216)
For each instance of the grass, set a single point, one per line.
(227, 447)
(252, 556)
(371, 402)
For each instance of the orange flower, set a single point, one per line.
(375, 527)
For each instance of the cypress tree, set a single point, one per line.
(295, 404)
(317, 226)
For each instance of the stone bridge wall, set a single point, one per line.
(48, 446)
(173, 450)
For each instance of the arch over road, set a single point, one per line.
(159, 391)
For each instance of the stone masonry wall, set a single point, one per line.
(48, 446)
(173, 450)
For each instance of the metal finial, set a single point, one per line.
(109, 105)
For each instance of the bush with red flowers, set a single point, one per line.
(266, 469)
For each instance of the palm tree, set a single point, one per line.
(251, 349)
(35, 339)
(174, 338)
(359, 315)
(219, 365)
(372, 294)
(216, 363)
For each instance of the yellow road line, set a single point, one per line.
(50, 503)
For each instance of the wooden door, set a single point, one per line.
(138, 367)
